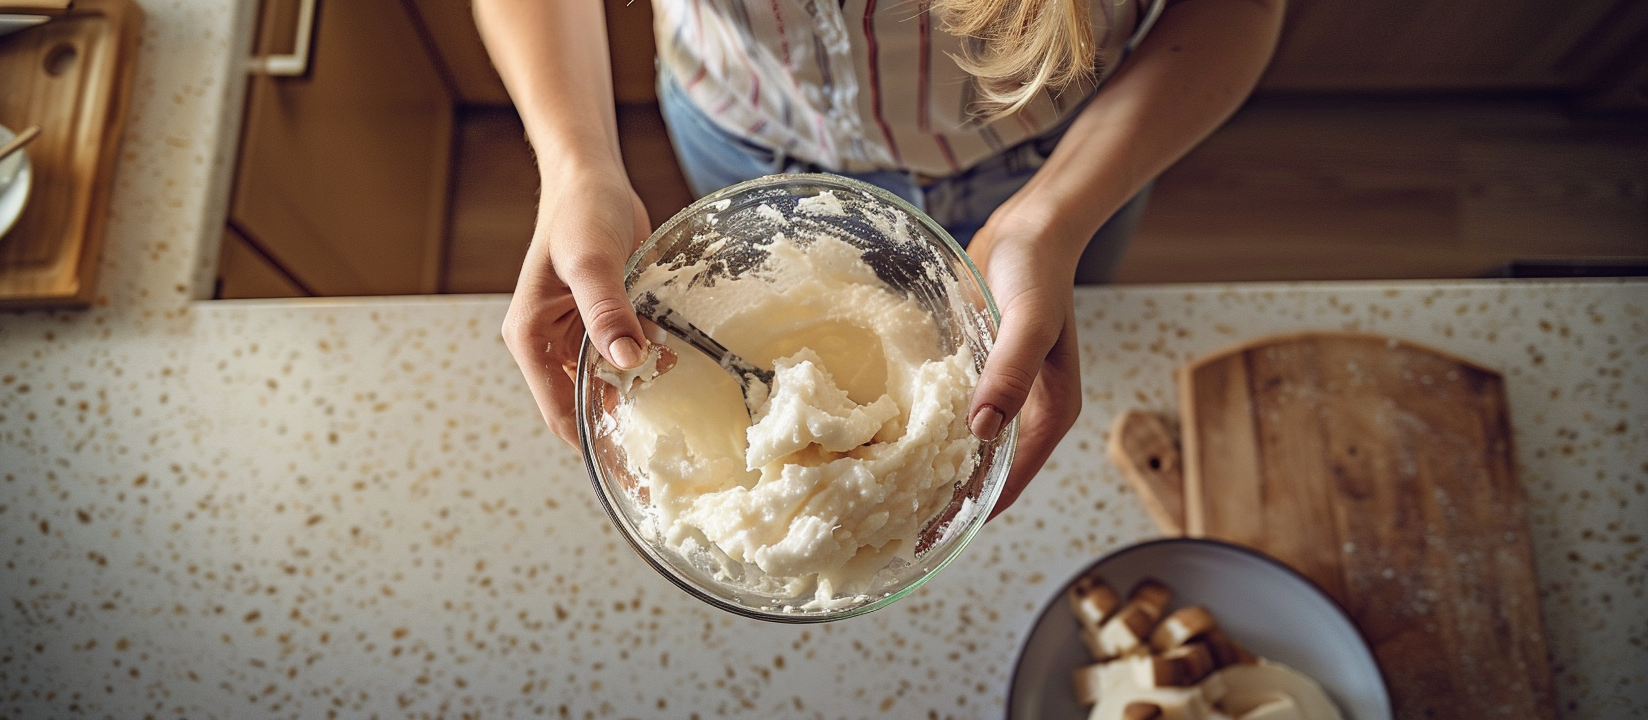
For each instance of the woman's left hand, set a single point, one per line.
(1034, 370)
(1198, 63)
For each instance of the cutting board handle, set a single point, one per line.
(1145, 446)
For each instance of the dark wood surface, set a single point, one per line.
(495, 191)
(454, 43)
(1383, 471)
(1405, 45)
(1366, 188)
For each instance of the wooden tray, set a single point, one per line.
(72, 77)
(1382, 471)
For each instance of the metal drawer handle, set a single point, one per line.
(297, 63)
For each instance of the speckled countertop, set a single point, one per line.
(234, 509)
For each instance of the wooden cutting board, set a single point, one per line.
(1383, 471)
(72, 77)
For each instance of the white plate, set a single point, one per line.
(1264, 605)
(14, 196)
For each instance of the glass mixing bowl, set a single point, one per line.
(730, 230)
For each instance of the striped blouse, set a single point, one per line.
(860, 85)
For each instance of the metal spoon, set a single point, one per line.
(745, 372)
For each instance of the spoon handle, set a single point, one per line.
(649, 307)
(18, 142)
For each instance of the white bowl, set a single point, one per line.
(1264, 605)
(14, 193)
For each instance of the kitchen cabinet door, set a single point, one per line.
(456, 44)
(343, 172)
(245, 273)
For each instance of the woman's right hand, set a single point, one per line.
(572, 280)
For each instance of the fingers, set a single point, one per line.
(572, 279)
(597, 283)
(1050, 411)
(532, 342)
(1022, 344)
(559, 412)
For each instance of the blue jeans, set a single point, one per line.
(712, 158)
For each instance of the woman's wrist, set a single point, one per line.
(560, 163)
(1062, 214)
(552, 57)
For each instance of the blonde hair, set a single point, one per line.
(1026, 46)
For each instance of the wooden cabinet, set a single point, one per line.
(345, 182)
(456, 46)
(343, 172)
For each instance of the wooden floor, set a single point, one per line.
(1290, 189)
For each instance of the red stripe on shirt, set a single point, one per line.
(783, 40)
(697, 25)
(949, 157)
(875, 79)
(749, 64)
(922, 73)
(923, 86)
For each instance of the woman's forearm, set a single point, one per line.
(552, 56)
(1187, 77)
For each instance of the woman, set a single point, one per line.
(1015, 123)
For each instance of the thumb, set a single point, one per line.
(1021, 346)
(596, 280)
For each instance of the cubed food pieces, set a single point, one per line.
(1184, 625)
(1128, 629)
(1195, 624)
(1124, 632)
(1093, 601)
(1142, 711)
(1152, 596)
(1089, 682)
(1153, 665)
(1225, 651)
(1182, 666)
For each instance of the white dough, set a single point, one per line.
(806, 408)
(859, 444)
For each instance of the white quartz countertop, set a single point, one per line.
(235, 509)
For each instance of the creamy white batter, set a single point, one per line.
(858, 446)
(1260, 690)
